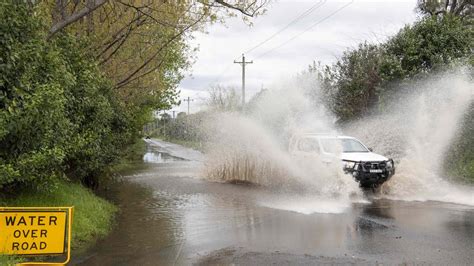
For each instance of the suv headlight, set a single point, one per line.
(390, 164)
(348, 165)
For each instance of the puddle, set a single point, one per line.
(160, 157)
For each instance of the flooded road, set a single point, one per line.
(170, 216)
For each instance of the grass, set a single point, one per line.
(196, 145)
(6, 260)
(93, 216)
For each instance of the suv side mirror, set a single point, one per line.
(370, 149)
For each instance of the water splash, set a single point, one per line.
(254, 148)
(417, 131)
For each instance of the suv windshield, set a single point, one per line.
(348, 145)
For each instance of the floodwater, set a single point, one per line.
(169, 216)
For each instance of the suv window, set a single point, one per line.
(348, 145)
(308, 145)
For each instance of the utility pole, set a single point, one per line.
(188, 100)
(243, 63)
(173, 113)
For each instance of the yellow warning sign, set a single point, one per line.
(35, 231)
(27, 232)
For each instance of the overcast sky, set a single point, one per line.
(322, 35)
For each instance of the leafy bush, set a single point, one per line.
(33, 121)
(58, 116)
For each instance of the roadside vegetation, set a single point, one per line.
(93, 216)
(185, 130)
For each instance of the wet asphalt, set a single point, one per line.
(171, 216)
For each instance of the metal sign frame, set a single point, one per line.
(68, 230)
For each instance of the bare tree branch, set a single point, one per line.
(249, 10)
(121, 36)
(140, 10)
(240, 9)
(122, 39)
(64, 22)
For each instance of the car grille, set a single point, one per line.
(374, 165)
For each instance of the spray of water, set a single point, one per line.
(416, 130)
(254, 149)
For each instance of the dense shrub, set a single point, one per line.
(58, 115)
(32, 101)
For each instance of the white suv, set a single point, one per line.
(368, 168)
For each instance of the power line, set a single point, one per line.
(306, 30)
(296, 19)
(302, 15)
(307, 12)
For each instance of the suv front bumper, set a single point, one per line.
(371, 174)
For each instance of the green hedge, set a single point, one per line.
(59, 117)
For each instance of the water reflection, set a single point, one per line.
(152, 156)
(146, 231)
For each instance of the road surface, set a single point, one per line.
(170, 216)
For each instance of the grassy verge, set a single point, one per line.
(196, 145)
(93, 216)
(5, 260)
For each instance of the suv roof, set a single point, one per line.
(324, 135)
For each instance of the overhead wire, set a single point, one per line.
(301, 16)
(296, 19)
(306, 30)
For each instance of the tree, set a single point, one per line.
(357, 77)
(360, 81)
(181, 115)
(462, 8)
(142, 46)
(67, 12)
(165, 117)
(223, 99)
(430, 43)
